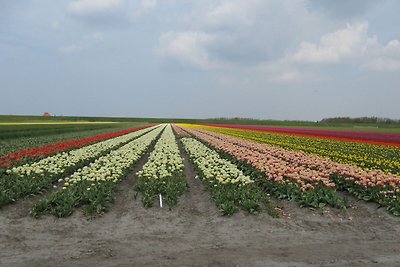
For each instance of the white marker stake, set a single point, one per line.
(160, 201)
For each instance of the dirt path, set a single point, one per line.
(194, 234)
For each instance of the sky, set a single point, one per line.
(264, 59)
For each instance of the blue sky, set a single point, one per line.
(269, 59)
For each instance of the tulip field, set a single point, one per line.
(310, 174)
(163, 172)
(242, 168)
(141, 194)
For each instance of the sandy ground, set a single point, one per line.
(194, 234)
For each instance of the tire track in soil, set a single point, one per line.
(192, 221)
(196, 206)
(125, 200)
(197, 200)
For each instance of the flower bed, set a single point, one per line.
(282, 179)
(30, 154)
(229, 187)
(163, 172)
(365, 184)
(365, 156)
(32, 178)
(92, 186)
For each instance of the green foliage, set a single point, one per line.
(14, 186)
(375, 194)
(316, 198)
(170, 188)
(93, 197)
(30, 138)
(92, 187)
(163, 172)
(363, 155)
(228, 196)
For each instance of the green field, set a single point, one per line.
(16, 129)
(17, 136)
(98, 122)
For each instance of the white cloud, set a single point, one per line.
(382, 64)
(230, 13)
(335, 47)
(69, 49)
(243, 32)
(239, 36)
(55, 25)
(85, 42)
(384, 58)
(98, 35)
(282, 72)
(256, 37)
(350, 44)
(145, 6)
(393, 48)
(289, 76)
(148, 4)
(90, 7)
(188, 47)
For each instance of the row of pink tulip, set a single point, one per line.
(278, 170)
(326, 167)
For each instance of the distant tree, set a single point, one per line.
(360, 120)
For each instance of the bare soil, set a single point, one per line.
(195, 234)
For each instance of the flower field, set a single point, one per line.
(240, 169)
(310, 179)
(31, 178)
(360, 137)
(229, 187)
(92, 186)
(163, 172)
(363, 155)
(31, 154)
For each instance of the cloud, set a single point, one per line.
(55, 25)
(335, 47)
(69, 49)
(235, 13)
(343, 9)
(351, 44)
(148, 4)
(284, 73)
(289, 76)
(269, 41)
(243, 32)
(382, 64)
(145, 6)
(98, 35)
(385, 58)
(85, 42)
(190, 47)
(92, 7)
(105, 14)
(239, 36)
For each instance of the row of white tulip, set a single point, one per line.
(213, 167)
(113, 166)
(163, 172)
(59, 163)
(164, 160)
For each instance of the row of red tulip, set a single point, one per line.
(360, 137)
(20, 156)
